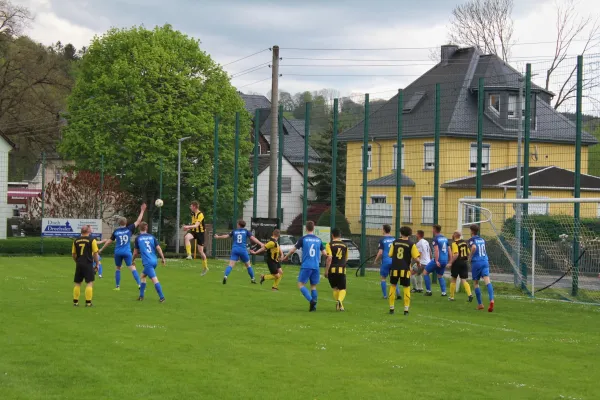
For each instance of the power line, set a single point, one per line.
(243, 58)
(253, 83)
(242, 72)
(250, 71)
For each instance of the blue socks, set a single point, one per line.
(159, 290)
(442, 284)
(118, 277)
(384, 288)
(306, 293)
(313, 295)
(228, 270)
(427, 280)
(136, 276)
(100, 269)
(142, 289)
(490, 290)
(250, 272)
(478, 294)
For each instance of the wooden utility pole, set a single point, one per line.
(274, 137)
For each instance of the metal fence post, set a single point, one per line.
(236, 167)
(306, 136)
(436, 170)
(160, 193)
(101, 187)
(577, 193)
(334, 146)
(480, 111)
(527, 140)
(43, 200)
(399, 162)
(279, 165)
(363, 201)
(215, 185)
(255, 167)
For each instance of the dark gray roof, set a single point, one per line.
(10, 142)
(390, 180)
(539, 177)
(299, 125)
(264, 161)
(293, 148)
(458, 106)
(497, 73)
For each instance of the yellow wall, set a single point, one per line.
(454, 164)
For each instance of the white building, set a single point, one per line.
(292, 192)
(5, 210)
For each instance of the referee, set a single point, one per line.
(85, 252)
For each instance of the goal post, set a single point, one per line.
(539, 245)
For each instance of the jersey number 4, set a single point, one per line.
(339, 254)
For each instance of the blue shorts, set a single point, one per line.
(239, 255)
(150, 271)
(384, 271)
(309, 274)
(119, 258)
(432, 266)
(479, 270)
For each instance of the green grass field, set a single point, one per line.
(242, 341)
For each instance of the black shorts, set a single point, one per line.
(337, 281)
(273, 267)
(460, 268)
(84, 272)
(400, 275)
(199, 237)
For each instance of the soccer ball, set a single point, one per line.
(158, 203)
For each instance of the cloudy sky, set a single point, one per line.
(232, 29)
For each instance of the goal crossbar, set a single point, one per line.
(528, 201)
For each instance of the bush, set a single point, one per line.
(314, 214)
(551, 227)
(340, 221)
(28, 246)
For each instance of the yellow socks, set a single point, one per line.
(277, 280)
(342, 295)
(76, 293)
(452, 289)
(88, 294)
(188, 249)
(467, 287)
(269, 277)
(336, 294)
(392, 296)
(205, 263)
(406, 291)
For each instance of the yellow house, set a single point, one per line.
(552, 145)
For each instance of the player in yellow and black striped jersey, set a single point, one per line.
(335, 270)
(403, 252)
(85, 253)
(196, 231)
(459, 265)
(273, 259)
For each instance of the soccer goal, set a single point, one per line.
(538, 245)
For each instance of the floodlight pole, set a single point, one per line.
(177, 240)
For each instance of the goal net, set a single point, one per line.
(538, 245)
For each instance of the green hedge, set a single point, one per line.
(552, 226)
(340, 221)
(33, 246)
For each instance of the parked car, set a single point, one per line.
(287, 242)
(353, 252)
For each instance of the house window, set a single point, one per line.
(469, 213)
(57, 175)
(485, 157)
(369, 157)
(407, 210)
(512, 106)
(378, 199)
(395, 157)
(427, 210)
(537, 208)
(495, 103)
(286, 184)
(259, 149)
(429, 156)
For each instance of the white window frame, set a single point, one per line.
(57, 174)
(379, 197)
(395, 158)
(259, 149)
(369, 158)
(423, 220)
(425, 147)
(485, 166)
(512, 106)
(469, 212)
(286, 191)
(491, 104)
(406, 217)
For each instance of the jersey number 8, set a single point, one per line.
(400, 253)
(239, 239)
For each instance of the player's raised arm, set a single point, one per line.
(293, 250)
(138, 221)
(224, 236)
(270, 244)
(107, 242)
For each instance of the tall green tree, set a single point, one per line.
(137, 92)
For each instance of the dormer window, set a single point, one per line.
(495, 103)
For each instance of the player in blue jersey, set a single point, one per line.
(386, 261)
(312, 250)
(122, 238)
(146, 246)
(480, 267)
(98, 266)
(439, 262)
(239, 252)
